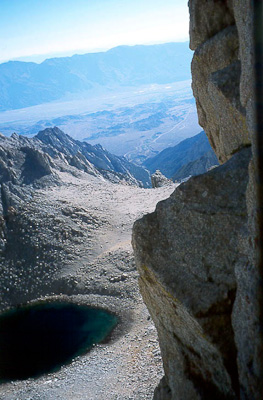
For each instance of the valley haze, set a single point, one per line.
(133, 100)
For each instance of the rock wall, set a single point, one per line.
(196, 254)
(216, 72)
(186, 253)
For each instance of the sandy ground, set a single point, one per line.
(82, 233)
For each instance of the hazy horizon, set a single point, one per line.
(34, 30)
(39, 58)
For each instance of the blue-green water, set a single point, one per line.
(38, 339)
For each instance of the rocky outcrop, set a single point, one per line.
(216, 77)
(37, 164)
(233, 93)
(186, 253)
(25, 162)
(159, 180)
(207, 18)
(197, 254)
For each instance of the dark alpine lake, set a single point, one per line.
(38, 339)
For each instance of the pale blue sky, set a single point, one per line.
(65, 27)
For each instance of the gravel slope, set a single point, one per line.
(73, 243)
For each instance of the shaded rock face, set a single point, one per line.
(197, 253)
(186, 253)
(230, 126)
(207, 18)
(25, 162)
(37, 164)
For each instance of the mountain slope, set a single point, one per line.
(96, 155)
(170, 160)
(28, 163)
(25, 84)
(197, 167)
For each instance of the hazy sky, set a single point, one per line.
(58, 27)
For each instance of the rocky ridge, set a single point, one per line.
(84, 156)
(27, 161)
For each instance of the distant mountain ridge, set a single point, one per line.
(197, 167)
(36, 162)
(24, 84)
(192, 156)
(81, 152)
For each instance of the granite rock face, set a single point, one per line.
(225, 103)
(221, 71)
(186, 253)
(198, 254)
(216, 77)
(207, 18)
(246, 314)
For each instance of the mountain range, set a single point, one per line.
(24, 84)
(36, 162)
(192, 156)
